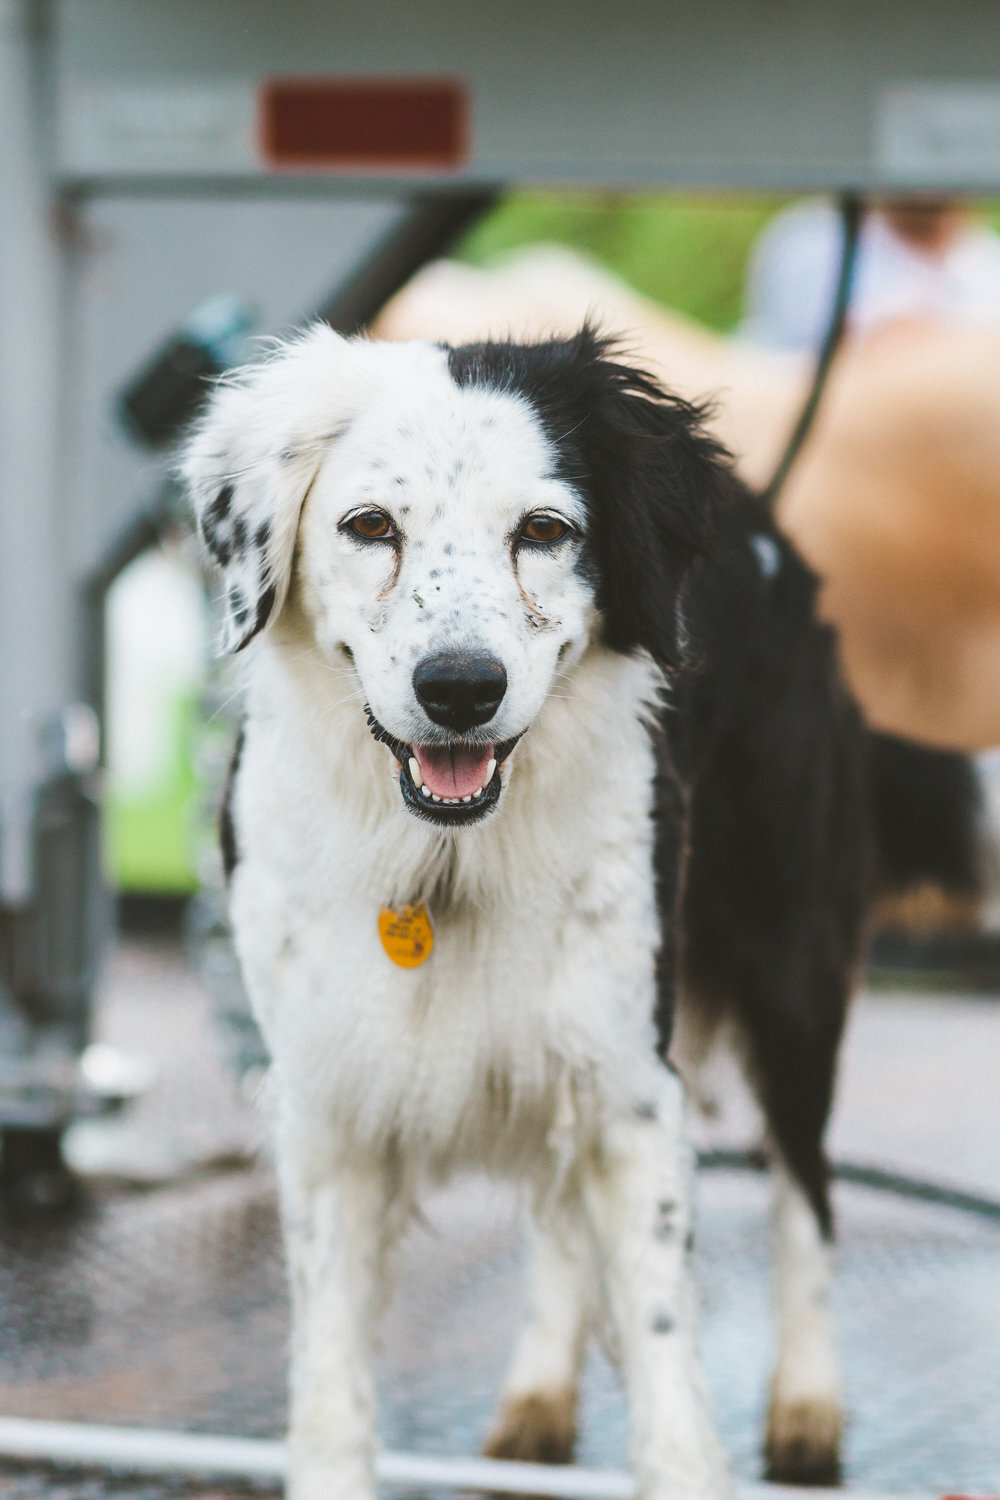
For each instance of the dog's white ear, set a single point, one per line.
(249, 466)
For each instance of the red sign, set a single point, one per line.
(355, 124)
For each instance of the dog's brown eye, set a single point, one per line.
(543, 529)
(373, 525)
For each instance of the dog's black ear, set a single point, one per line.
(658, 487)
(655, 483)
(249, 465)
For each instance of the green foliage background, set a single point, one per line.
(689, 253)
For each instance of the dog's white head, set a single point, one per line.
(462, 523)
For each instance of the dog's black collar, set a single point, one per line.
(442, 814)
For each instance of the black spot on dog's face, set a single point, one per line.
(221, 549)
(218, 510)
(216, 527)
(662, 1322)
(644, 1109)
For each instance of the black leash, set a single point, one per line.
(851, 214)
(861, 1174)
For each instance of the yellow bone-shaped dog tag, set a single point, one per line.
(407, 934)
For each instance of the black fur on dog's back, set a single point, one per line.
(780, 875)
(798, 816)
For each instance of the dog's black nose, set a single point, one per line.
(458, 690)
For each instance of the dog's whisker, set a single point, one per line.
(220, 708)
(326, 712)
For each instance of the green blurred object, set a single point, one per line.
(152, 838)
(688, 253)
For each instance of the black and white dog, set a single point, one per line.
(539, 722)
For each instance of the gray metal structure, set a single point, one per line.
(139, 173)
(729, 93)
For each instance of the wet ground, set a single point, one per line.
(162, 1302)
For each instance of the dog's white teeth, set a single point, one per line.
(435, 797)
(478, 792)
(468, 798)
(489, 773)
(425, 791)
(415, 775)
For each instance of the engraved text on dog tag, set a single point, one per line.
(407, 934)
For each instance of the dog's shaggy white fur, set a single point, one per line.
(371, 514)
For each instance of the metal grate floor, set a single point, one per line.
(167, 1306)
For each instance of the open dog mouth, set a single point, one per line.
(452, 784)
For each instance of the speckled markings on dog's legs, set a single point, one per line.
(638, 1197)
(339, 1231)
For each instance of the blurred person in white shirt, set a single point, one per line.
(918, 258)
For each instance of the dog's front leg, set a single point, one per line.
(339, 1223)
(637, 1193)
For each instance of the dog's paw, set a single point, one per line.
(803, 1441)
(538, 1429)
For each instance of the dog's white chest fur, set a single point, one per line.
(465, 1057)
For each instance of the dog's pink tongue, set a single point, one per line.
(453, 770)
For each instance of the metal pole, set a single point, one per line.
(35, 602)
(50, 885)
(143, 1450)
(155, 1451)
